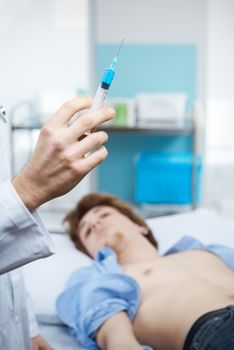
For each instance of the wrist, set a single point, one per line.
(27, 190)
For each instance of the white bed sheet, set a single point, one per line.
(45, 279)
(58, 337)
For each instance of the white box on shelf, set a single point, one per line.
(161, 108)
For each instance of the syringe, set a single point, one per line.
(106, 81)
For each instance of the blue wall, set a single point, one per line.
(143, 68)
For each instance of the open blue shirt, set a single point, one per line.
(95, 293)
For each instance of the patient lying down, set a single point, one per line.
(131, 295)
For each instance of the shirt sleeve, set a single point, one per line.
(23, 237)
(94, 298)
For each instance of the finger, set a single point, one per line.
(88, 122)
(78, 149)
(34, 345)
(87, 164)
(69, 108)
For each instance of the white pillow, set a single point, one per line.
(203, 224)
(46, 278)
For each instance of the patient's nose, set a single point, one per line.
(95, 223)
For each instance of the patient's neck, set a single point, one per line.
(135, 251)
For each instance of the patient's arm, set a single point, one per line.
(93, 295)
(117, 333)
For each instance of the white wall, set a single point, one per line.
(220, 78)
(39, 50)
(219, 189)
(221, 49)
(44, 47)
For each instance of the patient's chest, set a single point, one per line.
(176, 290)
(172, 270)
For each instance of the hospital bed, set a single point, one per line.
(46, 278)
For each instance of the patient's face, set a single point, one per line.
(106, 226)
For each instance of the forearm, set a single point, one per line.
(117, 333)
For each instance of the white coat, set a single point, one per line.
(23, 238)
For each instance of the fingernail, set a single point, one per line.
(111, 111)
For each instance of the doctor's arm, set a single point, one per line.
(58, 165)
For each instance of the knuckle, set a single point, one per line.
(70, 104)
(97, 139)
(57, 145)
(108, 112)
(87, 121)
(73, 169)
(102, 136)
(47, 131)
(94, 139)
(78, 103)
(103, 113)
(86, 100)
(76, 169)
(66, 159)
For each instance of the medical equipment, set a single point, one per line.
(106, 81)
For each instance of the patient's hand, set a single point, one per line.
(39, 343)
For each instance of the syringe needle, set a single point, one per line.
(107, 79)
(120, 47)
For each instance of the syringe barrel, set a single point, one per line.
(99, 99)
(108, 76)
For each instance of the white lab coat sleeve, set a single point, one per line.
(33, 326)
(23, 237)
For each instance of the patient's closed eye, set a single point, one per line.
(88, 232)
(104, 215)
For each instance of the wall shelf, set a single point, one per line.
(156, 130)
(188, 129)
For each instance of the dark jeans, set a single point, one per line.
(212, 331)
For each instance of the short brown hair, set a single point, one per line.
(93, 200)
